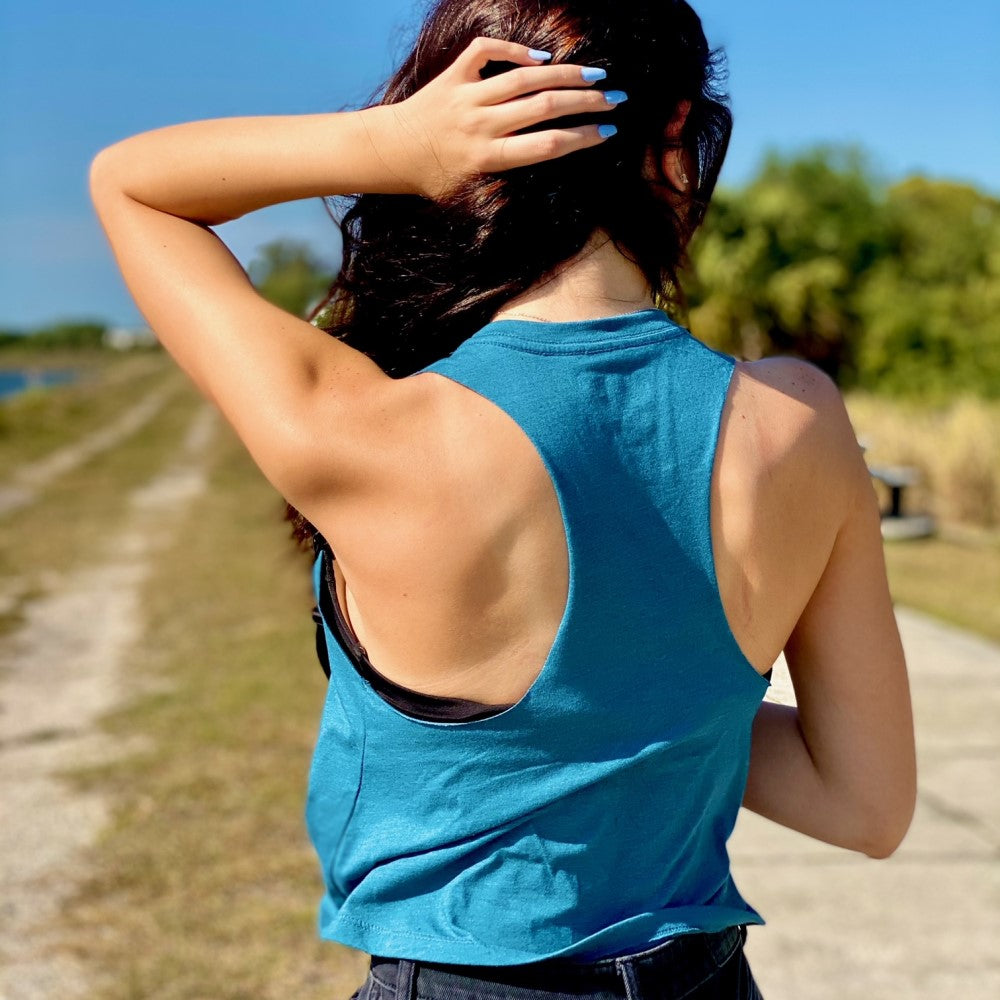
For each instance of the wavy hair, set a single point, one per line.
(419, 276)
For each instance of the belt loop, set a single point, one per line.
(406, 979)
(626, 969)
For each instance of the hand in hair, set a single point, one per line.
(461, 124)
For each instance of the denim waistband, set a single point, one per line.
(669, 970)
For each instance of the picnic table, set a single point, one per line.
(896, 523)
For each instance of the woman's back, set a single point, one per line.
(456, 580)
(514, 821)
(588, 486)
(609, 542)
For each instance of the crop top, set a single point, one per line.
(590, 818)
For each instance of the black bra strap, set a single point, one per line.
(429, 707)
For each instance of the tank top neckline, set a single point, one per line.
(642, 326)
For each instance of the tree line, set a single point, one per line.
(893, 288)
(73, 334)
(890, 288)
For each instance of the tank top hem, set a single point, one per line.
(374, 939)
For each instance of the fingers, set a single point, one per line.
(482, 50)
(532, 75)
(531, 93)
(524, 111)
(530, 79)
(522, 150)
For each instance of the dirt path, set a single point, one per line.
(64, 669)
(26, 482)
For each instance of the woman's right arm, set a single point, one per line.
(841, 765)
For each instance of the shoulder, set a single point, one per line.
(796, 400)
(805, 391)
(800, 426)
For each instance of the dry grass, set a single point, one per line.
(205, 886)
(956, 448)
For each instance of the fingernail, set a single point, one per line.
(539, 54)
(593, 73)
(615, 96)
(606, 131)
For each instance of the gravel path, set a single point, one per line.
(63, 670)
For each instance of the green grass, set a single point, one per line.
(34, 422)
(955, 577)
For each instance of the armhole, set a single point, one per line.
(763, 679)
(426, 707)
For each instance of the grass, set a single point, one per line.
(955, 577)
(956, 449)
(205, 886)
(80, 511)
(39, 420)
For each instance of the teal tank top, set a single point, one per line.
(590, 818)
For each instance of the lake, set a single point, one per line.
(15, 380)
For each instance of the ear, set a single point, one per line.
(677, 164)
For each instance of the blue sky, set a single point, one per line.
(915, 83)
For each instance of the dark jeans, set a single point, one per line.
(689, 967)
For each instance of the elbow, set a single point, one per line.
(101, 176)
(880, 848)
(885, 826)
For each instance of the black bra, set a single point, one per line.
(431, 708)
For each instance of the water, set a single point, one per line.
(15, 380)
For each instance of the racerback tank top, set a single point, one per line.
(590, 818)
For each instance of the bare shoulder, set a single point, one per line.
(787, 469)
(802, 392)
(802, 425)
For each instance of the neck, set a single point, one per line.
(599, 281)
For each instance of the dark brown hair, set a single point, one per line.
(419, 277)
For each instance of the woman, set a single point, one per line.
(561, 542)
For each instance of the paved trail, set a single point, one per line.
(923, 924)
(63, 669)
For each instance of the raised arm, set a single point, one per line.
(279, 381)
(840, 766)
(318, 417)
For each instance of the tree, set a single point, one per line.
(289, 274)
(894, 289)
(777, 263)
(72, 334)
(931, 312)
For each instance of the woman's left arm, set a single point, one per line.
(316, 415)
